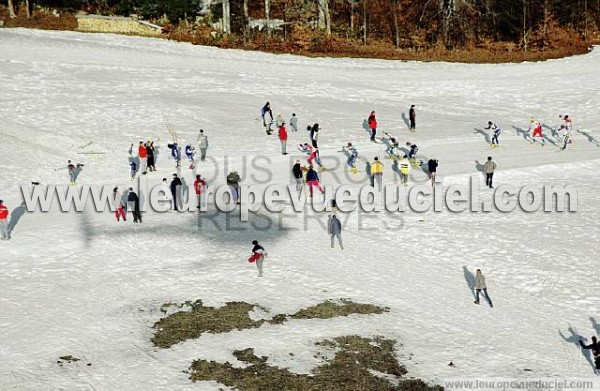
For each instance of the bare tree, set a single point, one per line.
(526, 32)
(365, 21)
(324, 20)
(11, 9)
(268, 15)
(27, 9)
(226, 17)
(245, 9)
(396, 33)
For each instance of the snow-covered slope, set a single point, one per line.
(84, 285)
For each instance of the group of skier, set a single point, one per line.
(562, 132)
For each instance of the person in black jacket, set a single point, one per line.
(258, 256)
(133, 198)
(432, 166)
(176, 187)
(412, 116)
(314, 135)
(150, 156)
(298, 175)
(595, 348)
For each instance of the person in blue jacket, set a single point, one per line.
(264, 111)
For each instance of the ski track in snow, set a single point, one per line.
(81, 284)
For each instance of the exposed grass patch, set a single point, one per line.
(330, 309)
(69, 358)
(349, 370)
(183, 325)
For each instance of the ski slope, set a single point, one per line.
(82, 284)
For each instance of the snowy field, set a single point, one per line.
(85, 285)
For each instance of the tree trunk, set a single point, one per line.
(245, 7)
(396, 33)
(267, 16)
(321, 14)
(27, 9)
(11, 9)
(352, 5)
(365, 22)
(545, 26)
(327, 17)
(525, 33)
(226, 17)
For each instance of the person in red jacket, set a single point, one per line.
(283, 138)
(120, 210)
(199, 187)
(143, 154)
(4, 221)
(372, 125)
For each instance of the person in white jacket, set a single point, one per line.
(480, 285)
(294, 123)
(166, 189)
(202, 144)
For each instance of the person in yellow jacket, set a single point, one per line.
(377, 173)
(404, 170)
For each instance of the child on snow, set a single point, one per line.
(496, 132)
(120, 210)
(283, 139)
(392, 150)
(412, 154)
(294, 123)
(306, 148)
(372, 125)
(536, 127)
(432, 166)
(595, 348)
(312, 180)
(314, 155)
(352, 155)
(298, 172)
(258, 256)
(404, 170)
(74, 170)
(175, 153)
(266, 109)
(142, 155)
(133, 167)
(190, 153)
(4, 221)
(199, 187)
(233, 181)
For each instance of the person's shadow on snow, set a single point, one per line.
(365, 126)
(574, 338)
(368, 168)
(396, 167)
(589, 137)
(470, 279)
(522, 132)
(552, 130)
(15, 216)
(185, 191)
(406, 121)
(479, 166)
(485, 135)
(595, 325)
